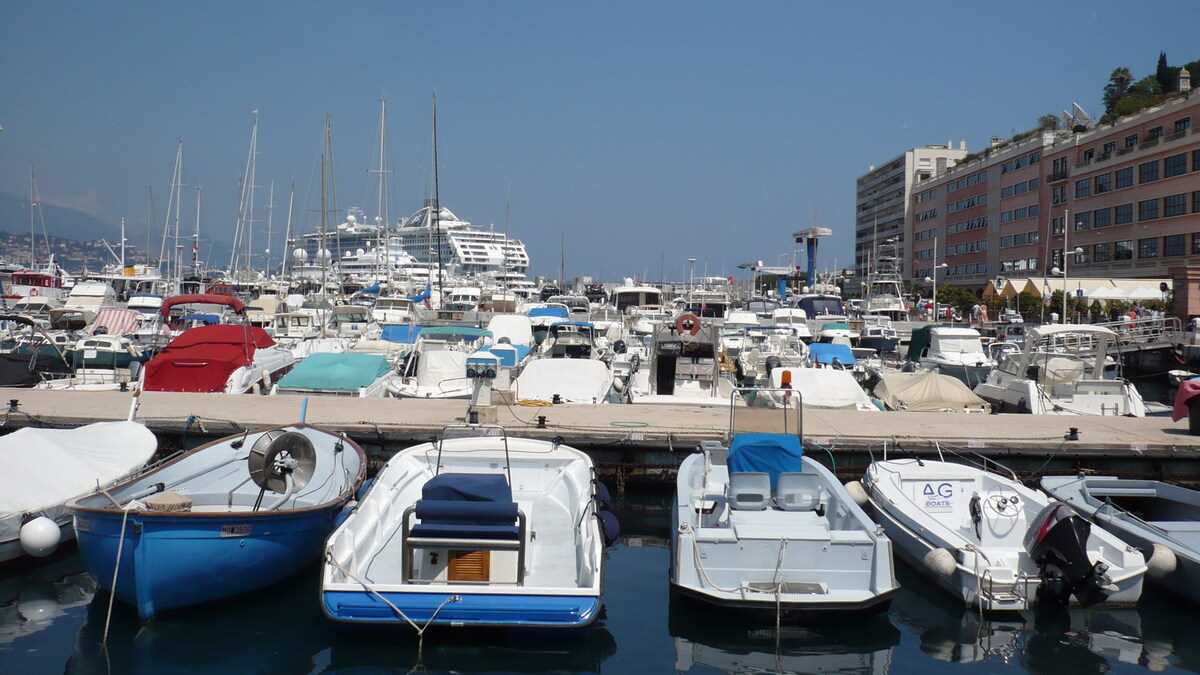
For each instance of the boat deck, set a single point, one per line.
(651, 440)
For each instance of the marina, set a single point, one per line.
(592, 351)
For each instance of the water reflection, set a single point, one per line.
(35, 593)
(281, 630)
(739, 643)
(1154, 635)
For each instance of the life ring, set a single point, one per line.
(33, 291)
(687, 323)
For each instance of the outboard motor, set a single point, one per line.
(1057, 542)
(619, 347)
(771, 363)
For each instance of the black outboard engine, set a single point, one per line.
(1057, 542)
(771, 363)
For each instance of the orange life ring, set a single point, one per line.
(687, 323)
(33, 291)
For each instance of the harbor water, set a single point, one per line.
(52, 621)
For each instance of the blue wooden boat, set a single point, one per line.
(229, 517)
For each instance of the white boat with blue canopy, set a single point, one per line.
(758, 524)
(475, 529)
(340, 374)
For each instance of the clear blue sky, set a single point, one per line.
(700, 129)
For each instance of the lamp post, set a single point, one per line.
(1077, 251)
(933, 277)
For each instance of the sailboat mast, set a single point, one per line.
(175, 254)
(270, 220)
(196, 235)
(172, 197)
(287, 235)
(32, 205)
(382, 218)
(562, 262)
(122, 242)
(323, 252)
(437, 204)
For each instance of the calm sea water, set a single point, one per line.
(51, 621)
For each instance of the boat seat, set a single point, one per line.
(467, 506)
(798, 492)
(749, 490)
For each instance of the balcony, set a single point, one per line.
(1174, 136)
(1083, 162)
(1149, 143)
(1059, 175)
(1126, 150)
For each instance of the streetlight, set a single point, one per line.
(1077, 251)
(933, 280)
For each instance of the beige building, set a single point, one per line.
(1130, 192)
(882, 199)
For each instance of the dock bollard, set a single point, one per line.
(1194, 415)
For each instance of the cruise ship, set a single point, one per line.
(466, 250)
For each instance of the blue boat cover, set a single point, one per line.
(346, 371)
(508, 354)
(466, 506)
(468, 487)
(767, 453)
(373, 289)
(467, 333)
(826, 352)
(403, 333)
(560, 312)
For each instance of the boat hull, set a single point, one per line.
(169, 561)
(470, 609)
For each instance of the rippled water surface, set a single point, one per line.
(51, 621)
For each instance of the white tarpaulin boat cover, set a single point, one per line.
(44, 468)
(823, 388)
(574, 380)
(114, 321)
(927, 391)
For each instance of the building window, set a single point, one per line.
(1131, 140)
(1148, 248)
(1101, 252)
(1196, 160)
(1101, 218)
(1056, 226)
(1058, 194)
(1196, 243)
(1081, 258)
(1125, 177)
(1148, 209)
(1109, 148)
(1173, 245)
(1183, 124)
(1103, 183)
(1123, 250)
(1123, 214)
(1154, 133)
(1174, 205)
(1196, 202)
(1175, 165)
(1148, 172)
(1083, 188)
(1083, 221)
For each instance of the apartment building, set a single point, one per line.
(882, 200)
(981, 217)
(1129, 192)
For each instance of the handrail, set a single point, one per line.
(788, 393)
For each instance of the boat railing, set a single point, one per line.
(975, 459)
(474, 431)
(786, 391)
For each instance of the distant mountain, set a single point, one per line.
(60, 221)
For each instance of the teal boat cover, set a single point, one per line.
(335, 372)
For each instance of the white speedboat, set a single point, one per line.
(477, 530)
(1060, 371)
(759, 525)
(683, 367)
(994, 543)
(957, 352)
(46, 468)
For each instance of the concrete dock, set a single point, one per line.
(632, 442)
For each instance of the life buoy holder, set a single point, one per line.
(33, 291)
(687, 323)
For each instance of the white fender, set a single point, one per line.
(940, 562)
(1161, 562)
(40, 536)
(857, 492)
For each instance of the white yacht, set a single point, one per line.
(465, 248)
(1060, 371)
(957, 352)
(683, 369)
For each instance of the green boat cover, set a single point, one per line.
(335, 372)
(918, 343)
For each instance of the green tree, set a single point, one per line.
(1117, 87)
(1162, 73)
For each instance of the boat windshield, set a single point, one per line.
(959, 345)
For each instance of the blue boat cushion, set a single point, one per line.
(772, 454)
(467, 506)
(468, 487)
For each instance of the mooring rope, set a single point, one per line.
(116, 570)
